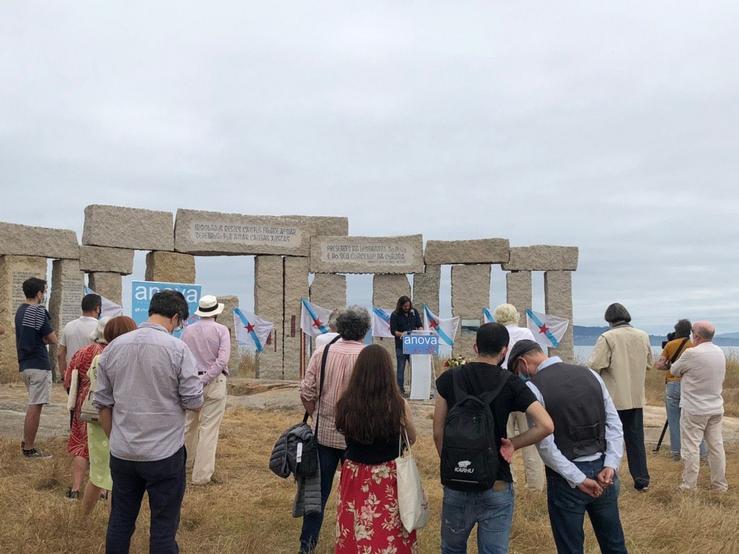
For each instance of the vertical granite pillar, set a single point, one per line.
(296, 288)
(268, 304)
(426, 288)
(170, 267)
(558, 302)
(518, 292)
(328, 290)
(386, 289)
(109, 285)
(67, 283)
(470, 293)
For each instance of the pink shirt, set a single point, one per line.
(210, 343)
(339, 365)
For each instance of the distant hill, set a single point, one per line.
(586, 336)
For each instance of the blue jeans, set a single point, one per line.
(401, 360)
(567, 507)
(672, 407)
(164, 481)
(492, 510)
(328, 459)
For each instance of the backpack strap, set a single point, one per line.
(324, 357)
(460, 392)
(491, 395)
(679, 351)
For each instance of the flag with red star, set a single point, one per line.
(446, 329)
(251, 329)
(313, 318)
(548, 329)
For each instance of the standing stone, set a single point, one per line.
(13, 271)
(67, 283)
(426, 288)
(518, 292)
(268, 304)
(170, 267)
(24, 240)
(386, 289)
(470, 294)
(296, 288)
(328, 290)
(109, 285)
(100, 258)
(558, 301)
(227, 318)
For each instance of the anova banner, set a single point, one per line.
(142, 291)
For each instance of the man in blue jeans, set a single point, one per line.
(468, 504)
(583, 454)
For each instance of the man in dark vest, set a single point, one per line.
(583, 454)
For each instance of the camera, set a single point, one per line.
(670, 336)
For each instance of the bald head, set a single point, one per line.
(704, 331)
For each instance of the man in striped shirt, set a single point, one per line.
(33, 332)
(352, 325)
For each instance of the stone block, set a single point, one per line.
(219, 234)
(109, 285)
(24, 240)
(293, 345)
(470, 294)
(386, 289)
(518, 292)
(542, 258)
(391, 255)
(132, 228)
(268, 304)
(328, 290)
(227, 319)
(480, 251)
(67, 283)
(426, 288)
(558, 301)
(109, 260)
(13, 271)
(170, 267)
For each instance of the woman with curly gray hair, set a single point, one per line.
(352, 324)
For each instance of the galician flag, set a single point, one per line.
(381, 322)
(250, 329)
(446, 329)
(313, 318)
(109, 308)
(487, 316)
(548, 330)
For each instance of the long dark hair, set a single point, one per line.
(371, 408)
(401, 302)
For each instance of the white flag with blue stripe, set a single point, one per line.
(313, 318)
(548, 329)
(381, 322)
(487, 316)
(251, 329)
(446, 329)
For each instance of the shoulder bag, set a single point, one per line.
(413, 504)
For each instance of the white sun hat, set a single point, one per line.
(209, 306)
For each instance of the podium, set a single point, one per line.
(421, 346)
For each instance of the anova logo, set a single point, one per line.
(464, 467)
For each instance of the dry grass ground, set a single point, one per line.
(249, 510)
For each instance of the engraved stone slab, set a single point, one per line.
(392, 255)
(109, 285)
(558, 301)
(470, 292)
(268, 304)
(131, 228)
(518, 291)
(426, 288)
(170, 267)
(215, 234)
(24, 240)
(111, 260)
(481, 251)
(328, 290)
(542, 258)
(296, 288)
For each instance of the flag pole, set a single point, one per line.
(302, 354)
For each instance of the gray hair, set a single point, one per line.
(97, 334)
(506, 314)
(353, 323)
(616, 313)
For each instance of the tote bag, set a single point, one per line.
(74, 384)
(412, 502)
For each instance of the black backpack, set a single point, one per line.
(469, 455)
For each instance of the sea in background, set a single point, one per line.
(582, 353)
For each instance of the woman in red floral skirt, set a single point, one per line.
(371, 414)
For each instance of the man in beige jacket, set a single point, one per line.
(622, 356)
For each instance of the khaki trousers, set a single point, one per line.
(693, 430)
(532, 464)
(201, 431)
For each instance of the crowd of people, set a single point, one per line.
(145, 406)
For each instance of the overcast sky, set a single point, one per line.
(614, 128)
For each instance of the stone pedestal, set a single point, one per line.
(67, 282)
(386, 289)
(268, 304)
(13, 271)
(470, 293)
(328, 290)
(227, 318)
(296, 288)
(109, 285)
(558, 301)
(518, 292)
(426, 288)
(170, 267)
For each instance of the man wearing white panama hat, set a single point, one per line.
(210, 343)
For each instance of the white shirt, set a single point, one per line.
(324, 338)
(553, 457)
(702, 370)
(76, 334)
(515, 334)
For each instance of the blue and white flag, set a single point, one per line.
(313, 318)
(251, 329)
(109, 308)
(381, 322)
(487, 316)
(446, 329)
(548, 330)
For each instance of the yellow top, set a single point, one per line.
(669, 351)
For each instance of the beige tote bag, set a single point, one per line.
(412, 501)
